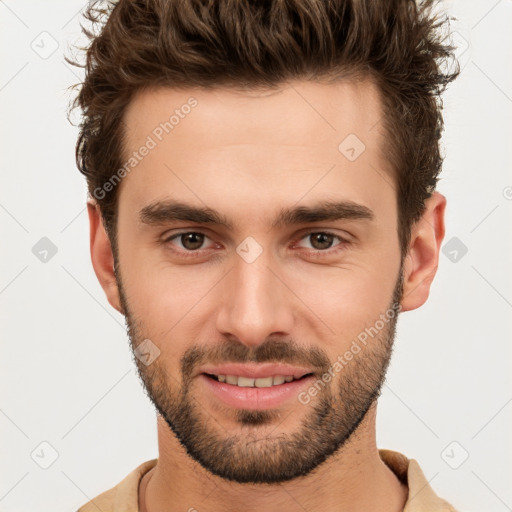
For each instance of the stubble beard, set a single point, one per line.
(254, 455)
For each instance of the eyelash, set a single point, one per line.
(314, 253)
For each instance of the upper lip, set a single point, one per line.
(256, 370)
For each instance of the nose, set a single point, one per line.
(255, 303)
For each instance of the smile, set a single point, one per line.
(261, 382)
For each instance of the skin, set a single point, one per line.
(249, 154)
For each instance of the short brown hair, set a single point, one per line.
(398, 44)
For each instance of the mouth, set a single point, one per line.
(255, 393)
(260, 382)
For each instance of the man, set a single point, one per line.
(263, 206)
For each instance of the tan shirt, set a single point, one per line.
(124, 497)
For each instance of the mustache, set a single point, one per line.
(275, 351)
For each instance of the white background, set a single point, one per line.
(66, 375)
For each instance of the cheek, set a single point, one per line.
(167, 300)
(350, 298)
(167, 295)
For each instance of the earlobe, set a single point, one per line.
(102, 257)
(422, 259)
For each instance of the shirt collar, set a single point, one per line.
(422, 498)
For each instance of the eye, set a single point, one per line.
(190, 241)
(322, 241)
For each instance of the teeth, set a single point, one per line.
(245, 382)
(232, 379)
(261, 382)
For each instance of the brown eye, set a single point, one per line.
(192, 241)
(189, 241)
(321, 241)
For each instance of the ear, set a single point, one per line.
(422, 259)
(102, 257)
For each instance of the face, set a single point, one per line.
(259, 232)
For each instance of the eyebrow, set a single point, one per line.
(161, 212)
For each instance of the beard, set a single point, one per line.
(254, 455)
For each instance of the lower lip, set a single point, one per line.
(256, 398)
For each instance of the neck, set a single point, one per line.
(354, 478)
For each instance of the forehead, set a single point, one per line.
(311, 112)
(302, 137)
